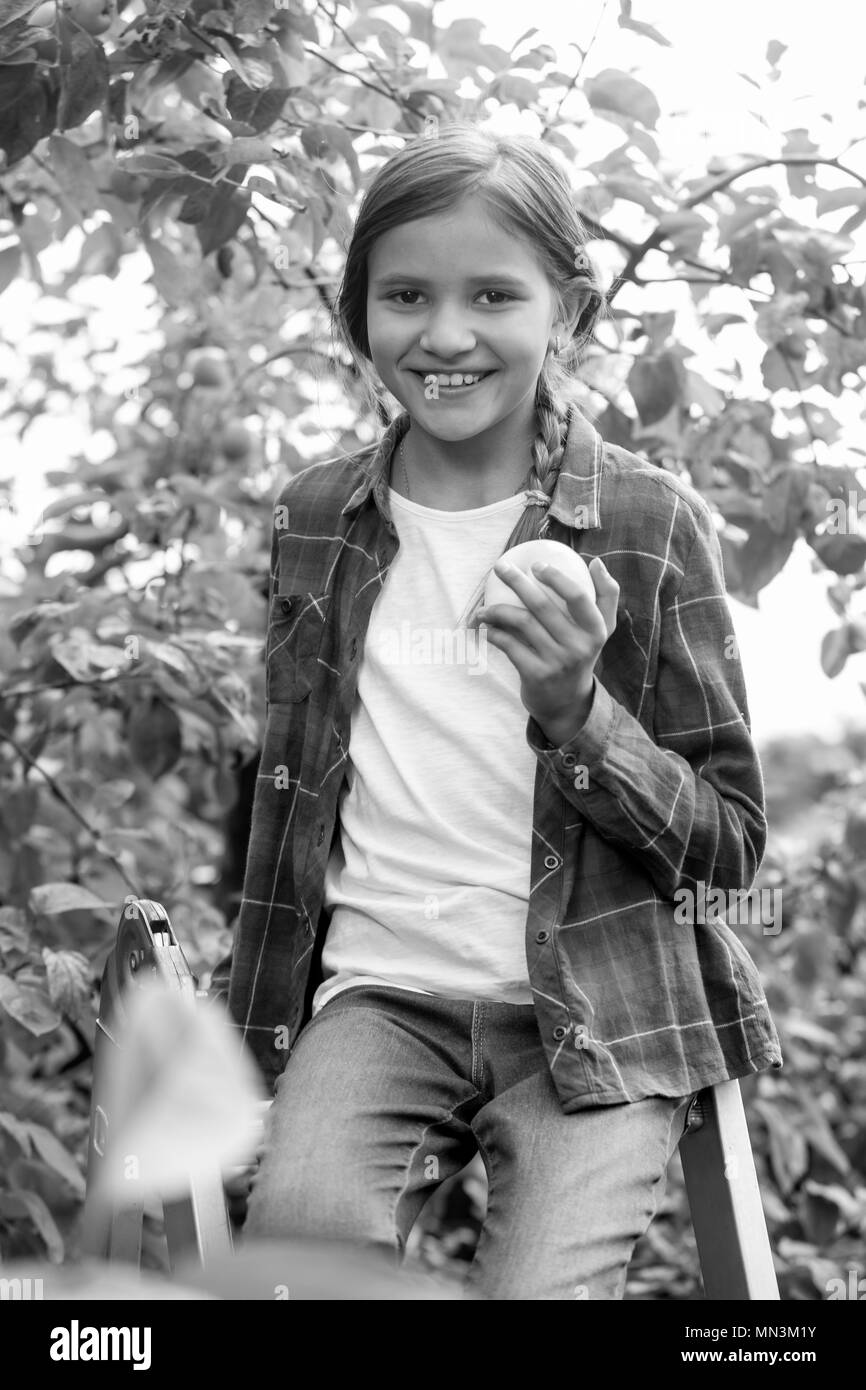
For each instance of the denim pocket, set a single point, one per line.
(296, 624)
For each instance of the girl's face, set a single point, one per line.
(457, 293)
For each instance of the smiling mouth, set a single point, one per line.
(453, 382)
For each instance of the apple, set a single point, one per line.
(209, 368)
(43, 16)
(235, 441)
(93, 15)
(540, 551)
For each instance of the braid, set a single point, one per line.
(548, 447)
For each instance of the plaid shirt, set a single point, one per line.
(661, 789)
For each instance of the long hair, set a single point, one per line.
(528, 191)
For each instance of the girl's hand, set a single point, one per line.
(554, 653)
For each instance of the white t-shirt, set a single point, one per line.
(428, 880)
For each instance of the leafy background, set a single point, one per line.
(228, 146)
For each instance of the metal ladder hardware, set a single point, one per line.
(718, 1166)
(145, 948)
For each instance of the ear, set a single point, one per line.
(566, 322)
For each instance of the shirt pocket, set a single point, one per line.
(295, 627)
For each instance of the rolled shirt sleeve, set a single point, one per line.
(687, 800)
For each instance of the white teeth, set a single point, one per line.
(458, 379)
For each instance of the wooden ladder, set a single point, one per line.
(718, 1165)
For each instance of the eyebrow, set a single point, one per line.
(395, 278)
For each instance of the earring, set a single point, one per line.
(557, 345)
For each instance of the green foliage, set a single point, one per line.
(229, 144)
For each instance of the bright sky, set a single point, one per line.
(706, 109)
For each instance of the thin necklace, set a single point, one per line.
(403, 461)
(402, 454)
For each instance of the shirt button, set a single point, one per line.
(551, 862)
(569, 759)
(580, 1037)
(542, 936)
(287, 604)
(559, 1032)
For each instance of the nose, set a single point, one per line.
(447, 332)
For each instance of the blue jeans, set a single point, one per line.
(386, 1093)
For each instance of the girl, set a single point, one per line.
(477, 833)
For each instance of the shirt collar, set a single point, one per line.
(575, 500)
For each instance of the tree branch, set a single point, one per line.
(394, 93)
(658, 235)
(356, 76)
(71, 807)
(65, 685)
(794, 160)
(554, 116)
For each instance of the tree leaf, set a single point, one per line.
(751, 564)
(253, 73)
(14, 931)
(28, 118)
(818, 1132)
(834, 651)
(830, 200)
(83, 79)
(10, 10)
(226, 214)
(52, 1152)
(27, 1006)
(14, 82)
(69, 981)
(778, 371)
(10, 265)
(169, 276)
(78, 654)
(154, 737)
(789, 1152)
(647, 30)
(634, 190)
(156, 165)
(252, 15)
(820, 1216)
(613, 90)
(16, 1202)
(18, 1130)
(73, 172)
(842, 554)
(512, 89)
(259, 109)
(64, 897)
